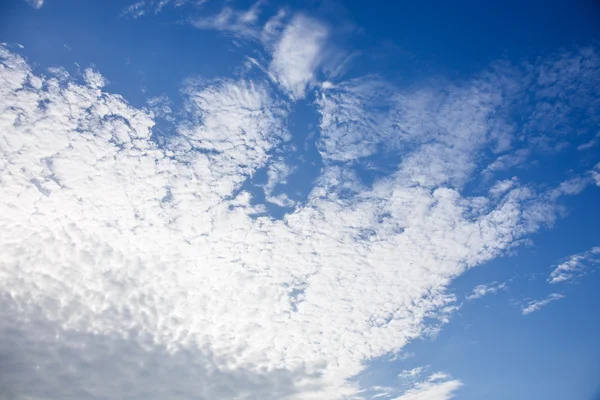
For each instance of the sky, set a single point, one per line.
(205, 199)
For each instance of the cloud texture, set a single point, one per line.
(148, 266)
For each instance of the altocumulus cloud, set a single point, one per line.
(147, 266)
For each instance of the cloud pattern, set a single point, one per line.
(147, 265)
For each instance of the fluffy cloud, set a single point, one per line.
(149, 266)
(574, 266)
(535, 305)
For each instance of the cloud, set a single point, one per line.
(411, 373)
(507, 161)
(436, 387)
(277, 174)
(565, 92)
(149, 263)
(590, 144)
(296, 47)
(482, 290)
(241, 23)
(298, 54)
(143, 7)
(574, 266)
(43, 360)
(501, 187)
(36, 3)
(535, 305)
(596, 174)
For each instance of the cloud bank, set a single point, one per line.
(149, 265)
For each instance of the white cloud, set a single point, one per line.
(242, 23)
(296, 47)
(143, 7)
(36, 3)
(575, 266)
(566, 91)
(277, 174)
(501, 187)
(535, 305)
(298, 54)
(411, 373)
(134, 10)
(507, 161)
(436, 387)
(590, 144)
(147, 265)
(481, 290)
(596, 174)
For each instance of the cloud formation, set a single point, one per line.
(438, 386)
(481, 290)
(535, 305)
(298, 54)
(143, 7)
(36, 3)
(152, 259)
(575, 266)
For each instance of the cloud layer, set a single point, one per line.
(150, 266)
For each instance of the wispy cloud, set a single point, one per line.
(296, 46)
(36, 3)
(277, 174)
(242, 23)
(535, 305)
(143, 7)
(596, 174)
(575, 266)
(437, 387)
(412, 373)
(481, 290)
(298, 54)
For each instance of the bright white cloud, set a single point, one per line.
(298, 54)
(437, 387)
(575, 266)
(148, 264)
(411, 373)
(297, 47)
(535, 305)
(481, 290)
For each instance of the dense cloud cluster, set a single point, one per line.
(147, 265)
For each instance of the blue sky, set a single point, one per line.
(299, 200)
